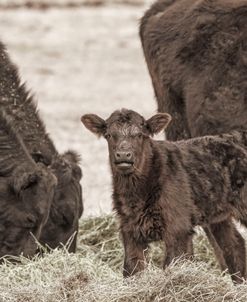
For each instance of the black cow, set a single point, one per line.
(26, 193)
(67, 206)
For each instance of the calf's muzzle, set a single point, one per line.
(124, 158)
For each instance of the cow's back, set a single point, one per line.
(17, 101)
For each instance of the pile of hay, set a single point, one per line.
(94, 273)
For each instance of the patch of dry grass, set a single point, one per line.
(94, 273)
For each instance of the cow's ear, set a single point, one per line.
(94, 123)
(23, 180)
(158, 122)
(73, 159)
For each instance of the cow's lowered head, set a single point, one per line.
(26, 192)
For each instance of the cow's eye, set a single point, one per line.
(107, 136)
(139, 135)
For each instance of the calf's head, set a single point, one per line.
(128, 136)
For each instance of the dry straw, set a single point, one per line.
(94, 273)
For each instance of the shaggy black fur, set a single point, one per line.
(26, 192)
(196, 52)
(67, 205)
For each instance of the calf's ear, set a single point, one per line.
(158, 122)
(94, 123)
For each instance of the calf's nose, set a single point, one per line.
(124, 156)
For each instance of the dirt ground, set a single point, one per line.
(77, 61)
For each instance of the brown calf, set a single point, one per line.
(162, 189)
(196, 53)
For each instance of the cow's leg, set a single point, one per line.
(134, 259)
(232, 245)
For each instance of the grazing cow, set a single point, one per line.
(67, 206)
(26, 193)
(162, 189)
(196, 53)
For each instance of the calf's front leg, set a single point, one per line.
(134, 259)
(180, 246)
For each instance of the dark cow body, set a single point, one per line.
(67, 206)
(162, 189)
(26, 193)
(196, 52)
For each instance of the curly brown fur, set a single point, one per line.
(162, 189)
(196, 54)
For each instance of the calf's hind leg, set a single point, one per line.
(217, 250)
(232, 245)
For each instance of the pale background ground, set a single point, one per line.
(77, 61)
